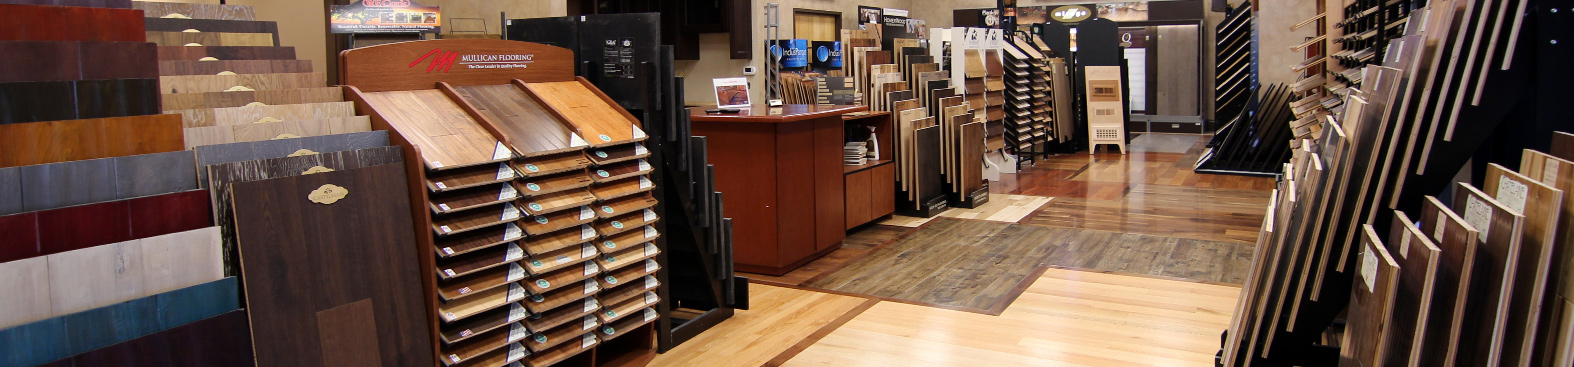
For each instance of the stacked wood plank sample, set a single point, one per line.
(1027, 103)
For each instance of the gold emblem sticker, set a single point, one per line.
(328, 194)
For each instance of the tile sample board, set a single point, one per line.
(529, 127)
(237, 152)
(595, 116)
(187, 101)
(59, 185)
(64, 336)
(352, 229)
(445, 134)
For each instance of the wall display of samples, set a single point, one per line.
(1233, 83)
(1027, 101)
(536, 216)
(105, 225)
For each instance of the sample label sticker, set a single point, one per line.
(535, 207)
(1549, 172)
(532, 187)
(608, 330)
(453, 357)
(587, 341)
(512, 232)
(537, 263)
(1479, 214)
(587, 251)
(445, 229)
(591, 268)
(603, 173)
(609, 245)
(513, 253)
(604, 137)
(440, 185)
(610, 313)
(639, 149)
(1437, 233)
(606, 209)
(601, 154)
(617, 224)
(515, 292)
(586, 213)
(644, 183)
(644, 166)
(542, 220)
(532, 168)
(515, 272)
(448, 250)
(650, 215)
(612, 280)
(465, 333)
(1404, 244)
(1369, 268)
(508, 193)
(1512, 193)
(585, 232)
(444, 207)
(504, 173)
(448, 272)
(436, 164)
(510, 212)
(465, 290)
(650, 265)
(328, 194)
(590, 323)
(650, 232)
(516, 333)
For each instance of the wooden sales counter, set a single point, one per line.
(780, 173)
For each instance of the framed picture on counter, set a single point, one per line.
(731, 92)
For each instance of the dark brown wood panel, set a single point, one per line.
(1418, 262)
(528, 127)
(1540, 204)
(358, 247)
(1486, 311)
(155, 24)
(171, 53)
(196, 11)
(1371, 305)
(1452, 288)
(189, 101)
(118, 60)
(182, 67)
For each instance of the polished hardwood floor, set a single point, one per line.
(1127, 260)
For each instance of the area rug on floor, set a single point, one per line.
(981, 266)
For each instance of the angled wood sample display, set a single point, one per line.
(1491, 290)
(447, 136)
(221, 83)
(268, 149)
(1541, 206)
(1371, 305)
(59, 185)
(210, 39)
(362, 244)
(241, 133)
(530, 128)
(70, 23)
(263, 114)
(196, 53)
(183, 67)
(52, 339)
(595, 116)
(187, 101)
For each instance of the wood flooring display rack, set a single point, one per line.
(699, 287)
(1235, 83)
(1464, 74)
(1028, 118)
(531, 199)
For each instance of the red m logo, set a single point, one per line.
(443, 60)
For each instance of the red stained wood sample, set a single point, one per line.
(20, 239)
(70, 23)
(171, 213)
(84, 226)
(78, 227)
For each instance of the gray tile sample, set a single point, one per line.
(155, 174)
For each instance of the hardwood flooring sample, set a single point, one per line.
(155, 174)
(460, 265)
(157, 24)
(169, 213)
(210, 39)
(549, 203)
(542, 224)
(285, 129)
(562, 296)
(257, 114)
(574, 310)
(1371, 305)
(549, 261)
(118, 4)
(548, 184)
(546, 339)
(48, 61)
(234, 66)
(458, 200)
(61, 337)
(619, 188)
(116, 98)
(481, 323)
(620, 171)
(268, 149)
(503, 338)
(1541, 205)
(620, 294)
(1418, 266)
(82, 99)
(464, 243)
(625, 205)
(623, 325)
(172, 53)
(564, 351)
(22, 241)
(27, 291)
(359, 249)
(459, 287)
(616, 280)
(615, 154)
(619, 224)
(195, 11)
(187, 101)
(71, 23)
(220, 83)
(562, 277)
(500, 357)
(1491, 289)
(541, 244)
(621, 242)
(461, 178)
(1556, 326)
(611, 261)
(223, 340)
(482, 301)
(59, 185)
(469, 220)
(556, 163)
(596, 118)
(532, 128)
(446, 135)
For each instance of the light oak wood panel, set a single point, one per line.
(187, 67)
(567, 313)
(220, 83)
(257, 114)
(156, 9)
(778, 318)
(187, 101)
(461, 178)
(213, 135)
(630, 204)
(549, 301)
(620, 188)
(543, 262)
(597, 119)
(550, 164)
(556, 221)
(210, 39)
(447, 136)
(548, 203)
(815, 26)
(1540, 204)
(553, 241)
(1555, 328)
(541, 185)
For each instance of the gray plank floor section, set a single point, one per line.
(239, 152)
(155, 174)
(10, 190)
(58, 185)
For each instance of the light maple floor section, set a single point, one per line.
(780, 318)
(1066, 318)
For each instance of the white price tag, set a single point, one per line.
(639, 149)
(587, 251)
(444, 207)
(644, 166)
(501, 152)
(516, 313)
(1404, 244)
(515, 292)
(445, 229)
(650, 282)
(508, 192)
(448, 315)
(515, 272)
(1437, 232)
(1549, 173)
(644, 183)
(650, 297)
(510, 212)
(448, 272)
(516, 333)
(1478, 213)
(563, 259)
(453, 357)
(591, 286)
(586, 213)
(650, 265)
(1369, 268)
(1512, 193)
(591, 304)
(650, 314)
(504, 173)
(585, 232)
(650, 249)
(587, 341)
(514, 253)
(441, 186)
(465, 333)
(448, 251)
(650, 232)
(512, 232)
(515, 352)
(650, 215)
(589, 323)
(591, 268)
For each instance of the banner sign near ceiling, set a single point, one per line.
(384, 16)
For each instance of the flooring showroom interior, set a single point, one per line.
(1081, 260)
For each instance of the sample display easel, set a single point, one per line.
(538, 160)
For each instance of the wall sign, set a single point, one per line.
(384, 16)
(1070, 14)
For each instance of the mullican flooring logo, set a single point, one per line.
(445, 60)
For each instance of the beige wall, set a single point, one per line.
(303, 24)
(491, 11)
(1274, 57)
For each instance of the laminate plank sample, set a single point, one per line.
(1556, 327)
(257, 114)
(172, 53)
(460, 222)
(500, 357)
(296, 129)
(462, 286)
(621, 242)
(117, 60)
(1541, 205)
(38, 101)
(79, 227)
(116, 98)
(599, 121)
(221, 83)
(467, 177)
(157, 24)
(59, 185)
(549, 261)
(551, 356)
(574, 310)
(541, 244)
(118, 4)
(541, 303)
(27, 291)
(195, 11)
(11, 191)
(620, 294)
(223, 340)
(630, 255)
(1371, 305)
(550, 164)
(187, 101)
(629, 204)
(70, 23)
(549, 338)
(46, 61)
(182, 67)
(547, 184)
(482, 301)
(615, 280)
(60, 337)
(614, 327)
(549, 203)
(359, 248)
(476, 347)
(542, 224)
(210, 39)
(620, 171)
(481, 323)
(447, 136)
(562, 277)
(459, 244)
(620, 188)
(71, 140)
(1491, 288)
(169, 213)
(155, 174)
(615, 154)
(625, 222)
(464, 264)
(458, 200)
(21, 239)
(530, 127)
(1418, 265)
(268, 149)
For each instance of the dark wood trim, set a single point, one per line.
(821, 333)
